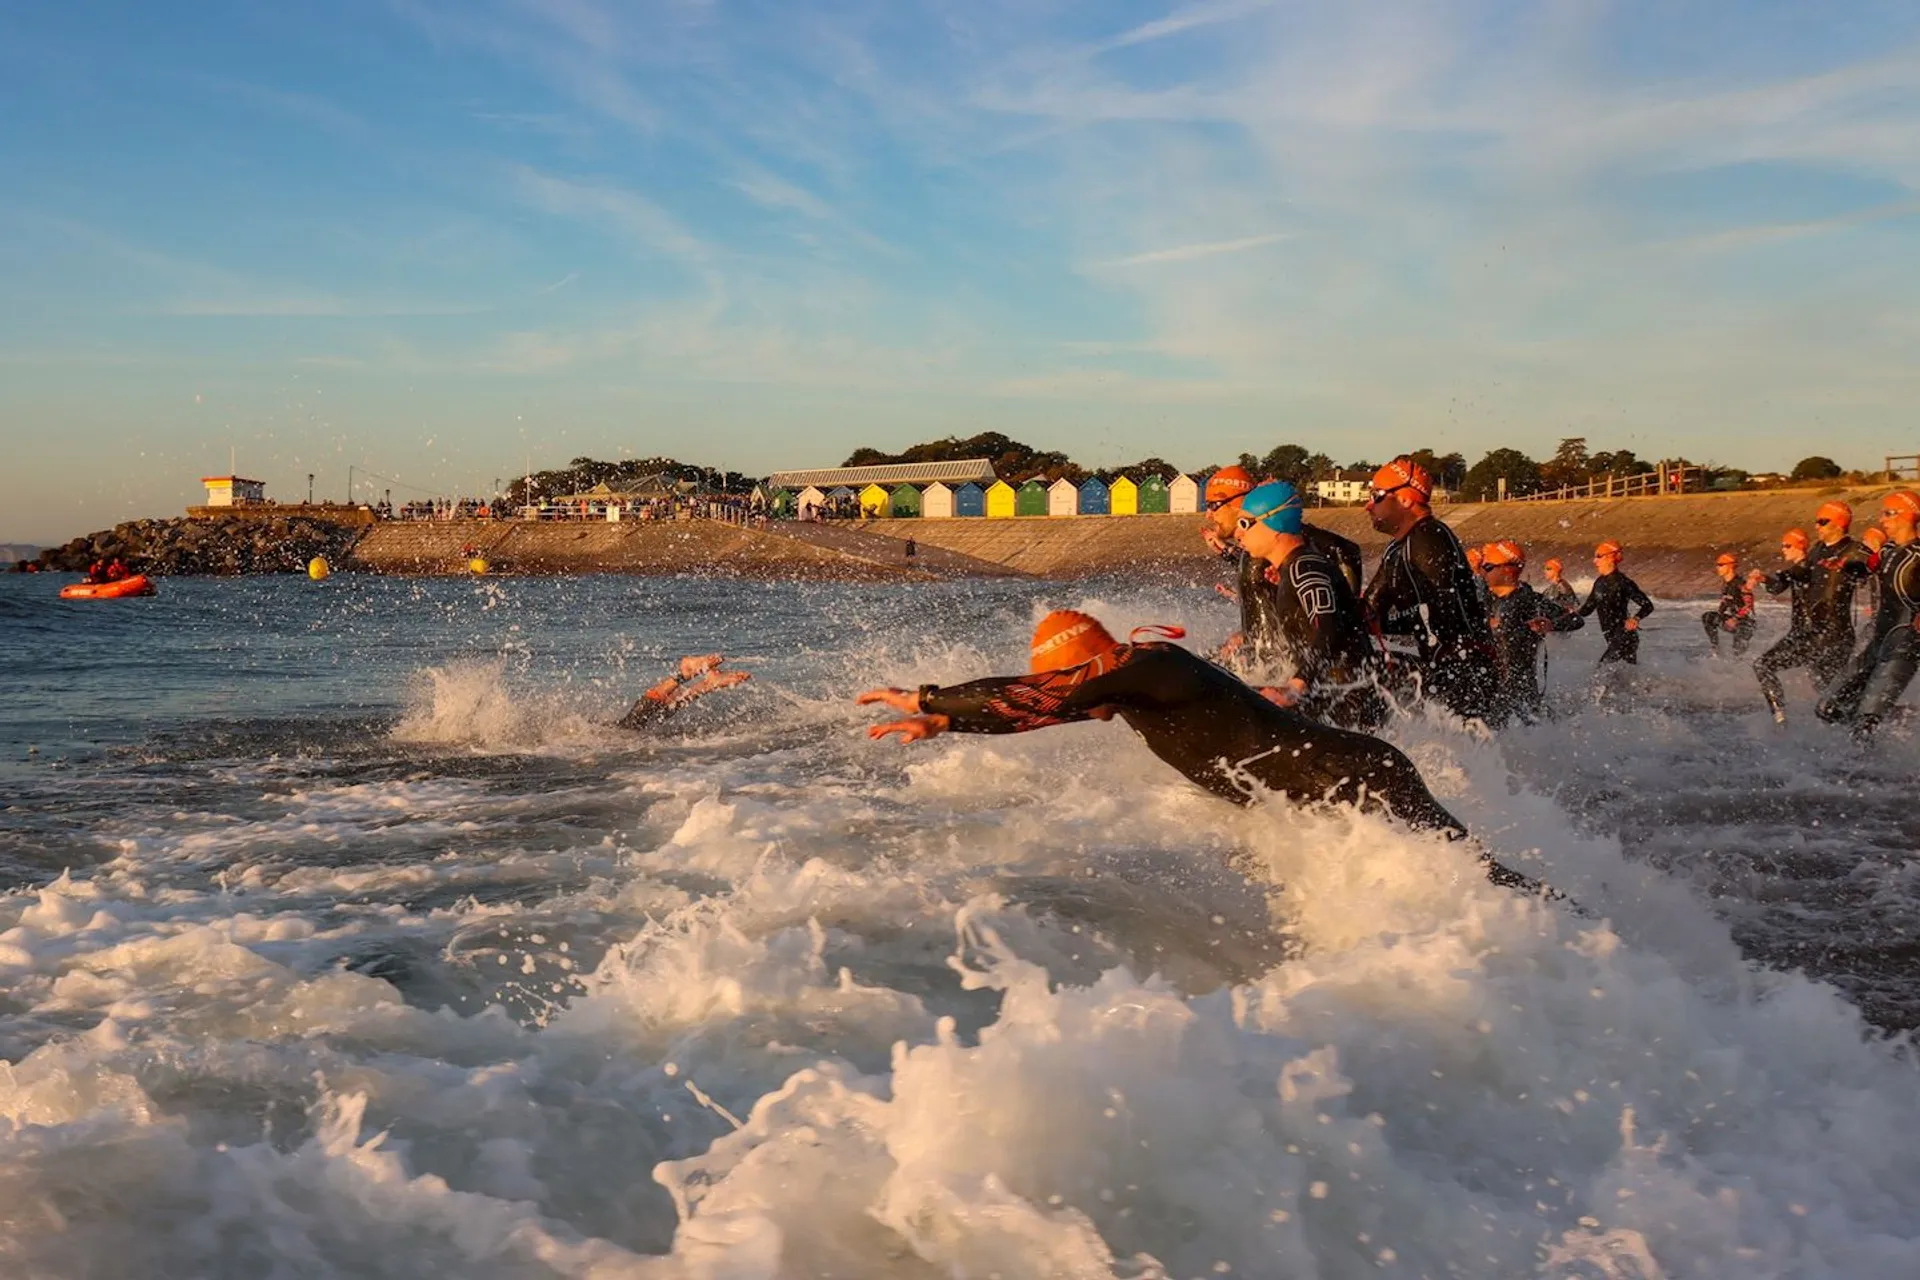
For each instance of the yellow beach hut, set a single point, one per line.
(1125, 498)
(1000, 500)
(874, 501)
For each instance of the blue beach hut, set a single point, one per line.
(969, 500)
(1095, 498)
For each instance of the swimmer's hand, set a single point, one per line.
(1226, 591)
(1286, 696)
(720, 680)
(1212, 538)
(1633, 624)
(912, 729)
(699, 665)
(905, 701)
(1540, 626)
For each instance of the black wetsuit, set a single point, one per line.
(1884, 667)
(647, 712)
(1732, 616)
(1327, 642)
(1425, 592)
(1612, 596)
(1562, 594)
(1519, 646)
(1820, 635)
(1215, 729)
(1344, 552)
(1260, 628)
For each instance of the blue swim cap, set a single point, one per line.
(1278, 506)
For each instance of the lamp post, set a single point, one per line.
(309, 488)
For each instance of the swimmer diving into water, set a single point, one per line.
(1222, 734)
(696, 677)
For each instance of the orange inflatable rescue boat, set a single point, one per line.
(137, 585)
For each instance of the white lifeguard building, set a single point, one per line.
(233, 491)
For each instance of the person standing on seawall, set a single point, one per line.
(1425, 598)
(1733, 615)
(1614, 594)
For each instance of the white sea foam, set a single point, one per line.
(771, 1001)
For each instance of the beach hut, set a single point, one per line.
(969, 500)
(1124, 498)
(905, 504)
(874, 501)
(1095, 498)
(840, 493)
(1154, 497)
(1183, 496)
(1063, 498)
(783, 506)
(810, 501)
(936, 502)
(1031, 499)
(1001, 501)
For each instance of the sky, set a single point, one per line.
(442, 240)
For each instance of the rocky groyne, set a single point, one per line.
(280, 544)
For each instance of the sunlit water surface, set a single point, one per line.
(343, 939)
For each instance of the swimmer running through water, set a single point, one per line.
(696, 677)
(1222, 734)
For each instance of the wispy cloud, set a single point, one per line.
(636, 218)
(304, 306)
(1203, 249)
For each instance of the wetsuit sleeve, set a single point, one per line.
(1003, 704)
(1641, 598)
(1592, 602)
(1562, 618)
(1786, 579)
(1018, 704)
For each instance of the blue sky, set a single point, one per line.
(432, 238)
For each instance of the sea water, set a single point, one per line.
(342, 938)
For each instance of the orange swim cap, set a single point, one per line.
(1608, 548)
(1728, 559)
(1794, 538)
(1838, 513)
(1504, 552)
(1553, 566)
(1874, 538)
(1902, 500)
(1228, 483)
(1476, 556)
(1404, 473)
(1067, 638)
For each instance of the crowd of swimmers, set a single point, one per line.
(1438, 622)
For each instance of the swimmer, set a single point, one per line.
(1820, 577)
(1220, 733)
(1424, 596)
(1558, 589)
(1613, 594)
(695, 678)
(1885, 666)
(1521, 619)
(1259, 640)
(1733, 615)
(1323, 631)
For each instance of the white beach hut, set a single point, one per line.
(1183, 496)
(809, 502)
(1063, 498)
(936, 502)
